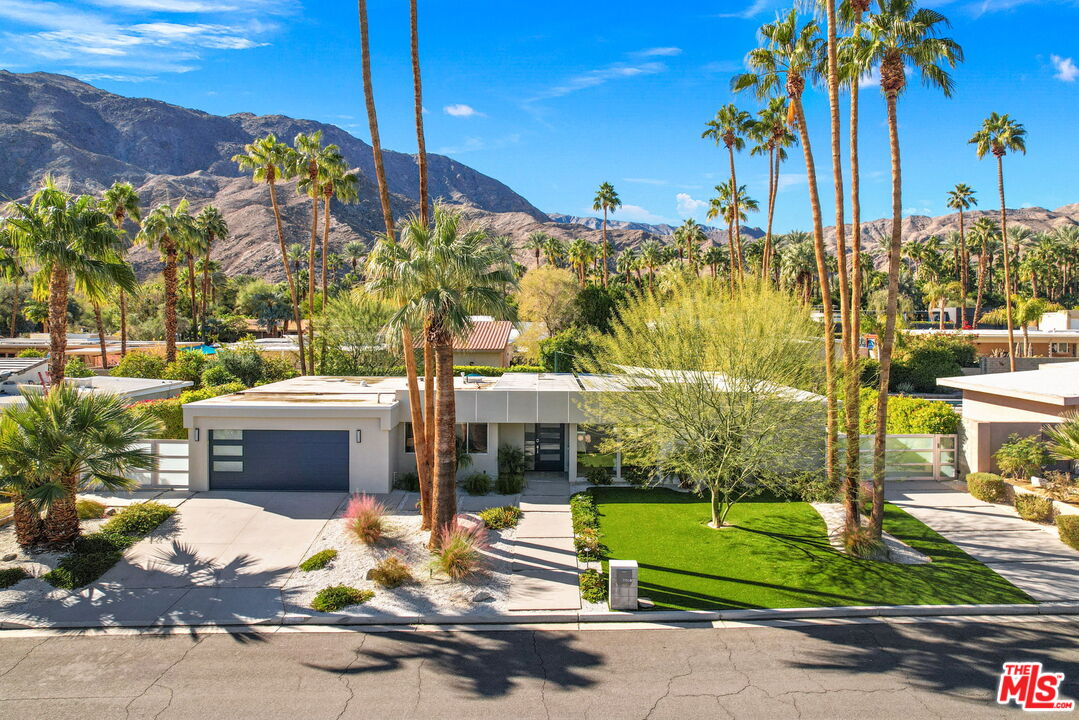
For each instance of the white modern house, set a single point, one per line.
(352, 434)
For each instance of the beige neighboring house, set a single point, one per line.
(490, 342)
(995, 406)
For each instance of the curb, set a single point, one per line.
(591, 618)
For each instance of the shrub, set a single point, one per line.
(583, 511)
(1021, 457)
(588, 544)
(1068, 528)
(275, 369)
(245, 362)
(594, 586)
(1060, 485)
(30, 353)
(512, 463)
(869, 376)
(563, 351)
(861, 543)
(90, 558)
(139, 364)
(459, 554)
(365, 518)
(89, 509)
(188, 365)
(599, 475)
(138, 520)
(478, 483)
(499, 518)
(335, 597)
(319, 560)
(216, 374)
(909, 415)
(409, 482)
(987, 487)
(1034, 507)
(76, 367)
(189, 396)
(168, 412)
(10, 576)
(636, 475)
(390, 572)
(925, 358)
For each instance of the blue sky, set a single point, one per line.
(555, 98)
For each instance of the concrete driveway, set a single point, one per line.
(228, 539)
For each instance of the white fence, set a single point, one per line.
(172, 464)
(912, 457)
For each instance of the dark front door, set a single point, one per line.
(550, 451)
(297, 460)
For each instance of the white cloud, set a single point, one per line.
(723, 66)
(789, 180)
(461, 110)
(688, 206)
(636, 213)
(646, 181)
(473, 144)
(917, 211)
(1065, 68)
(870, 80)
(754, 8)
(592, 78)
(658, 51)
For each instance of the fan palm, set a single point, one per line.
(554, 250)
(730, 126)
(691, 235)
(441, 276)
(13, 270)
(606, 200)
(266, 158)
(354, 253)
(986, 233)
(898, 36)
(651, 258)
(1025, 312)
(168, 230)
(194, 245)
(66, 236)
(773, 136)
(211, 224)
(580, 253)
(536, 242)
(335, 181)
(54, 442)
(732, 207)
(1000, 135)
(121, 202)
(961, 198)
(713, 257)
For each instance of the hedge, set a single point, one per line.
(909, 415)
(987, 487)
(484, 370)
(1068, 527)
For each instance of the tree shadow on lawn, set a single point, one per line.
(484, 664)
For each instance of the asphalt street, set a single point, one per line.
(895, 669)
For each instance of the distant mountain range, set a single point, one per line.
(88, 138)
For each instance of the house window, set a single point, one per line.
(473, 435)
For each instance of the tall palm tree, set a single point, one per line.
(987, 234)
(651, 258)
(419, 428)
(606, 200)
(121, 202)
(1000, 135)
(554, 250)
(961, 198)
(56, 442)
(335, 181)
(13, 270)
(791, 51)
(66, 237)
(939, 294)
(266, 158)
(730, 127)
(733, 208)
(354, 253)
(168, 230)
(773, 136)
(211, 224)
(580, 253)
(691, 235)
(194, 246)
(444, 275)
(898, 36)
(536, 242)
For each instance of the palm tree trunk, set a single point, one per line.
(325, 244)
(62, 519)
(29, 528)
(888, 339)
(429, 422)
(964, 271)
(445, 486)
(854, 340)
(831, 450)
(57, 323)
(296, 310)
(772, 184)
(420, 438)
(15, 310)
(1026, 340)
(981, 289)
(170, 299)
(206, 287)
(731, 252)
(1007, 264)
(123, 324)
(417, 94)
(101, 336)
(941, 318)
(191, 293)
(311, 274)
(734, 215)
(604, 246)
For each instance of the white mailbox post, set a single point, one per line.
(623, 584)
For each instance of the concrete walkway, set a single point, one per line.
(1029, 555)
(545, 563)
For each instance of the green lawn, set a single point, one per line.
(778, 555)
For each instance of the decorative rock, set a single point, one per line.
(483, 596)
(109, 512)
(9, 557)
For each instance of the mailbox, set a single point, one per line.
(623, 584)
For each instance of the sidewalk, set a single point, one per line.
(545, 562)
(1029, 555)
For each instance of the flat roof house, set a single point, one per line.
(995, 406)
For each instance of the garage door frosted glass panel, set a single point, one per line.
(293, 460)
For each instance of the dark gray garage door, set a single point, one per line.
(298, 460)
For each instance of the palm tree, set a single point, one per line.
(940, 294)
(773, 136)
(732, 207)
(212, 226)
(266, 159)
(354, 253)
(537, 243)
(168, 230)
(714, 257)
(554, 250)
(12, 269)
(961, 198)
(1000, 135)
(56, 442)
(580, 253)
(691, 234)
(651, 257)
(791, 51)
(121, 202)
(66, 236)
(195, 245)
(1025, 312)
(730, 126)
(901, 34)
(335, 181)
(443, 275)
(986, 232)
(606, 200)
